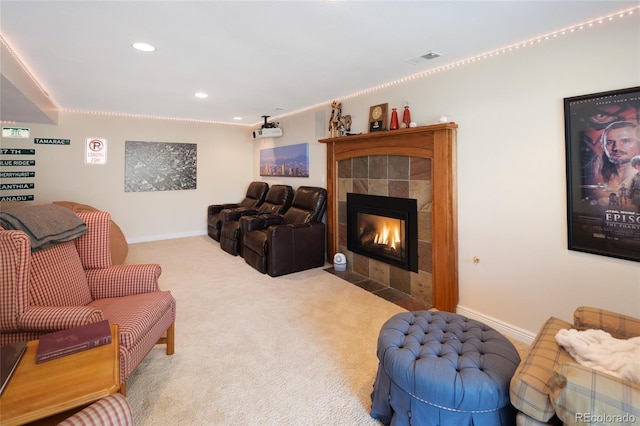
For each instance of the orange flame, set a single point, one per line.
(389, 236)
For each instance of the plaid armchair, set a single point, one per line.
(550, 387)
(74, 283)
(109, 411)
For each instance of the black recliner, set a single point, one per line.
(277, 201)
(254, 198)
(292, 242)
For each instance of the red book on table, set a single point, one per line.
(66, 342)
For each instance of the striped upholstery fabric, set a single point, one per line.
(109, 411)
(529, 389)
(14, 270)
(578, 391)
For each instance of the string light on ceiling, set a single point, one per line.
(497, 52)
(504, 50)
(480, 57)
(151, 117)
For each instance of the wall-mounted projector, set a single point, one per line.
(267, 130)
(271, 132)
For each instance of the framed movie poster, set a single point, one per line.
(602, 136)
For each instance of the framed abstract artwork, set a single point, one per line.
(160, 166)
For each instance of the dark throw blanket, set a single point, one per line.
(45, 224)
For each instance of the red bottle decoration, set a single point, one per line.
(406, 116)
(394, 119)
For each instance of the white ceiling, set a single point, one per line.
(255, 57)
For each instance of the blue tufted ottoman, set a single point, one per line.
(439, 368)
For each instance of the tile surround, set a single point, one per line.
(395, 176)
(437, 143)
(390, 294)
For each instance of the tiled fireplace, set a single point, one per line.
(411, 164)
(405, 180)
(383, 228)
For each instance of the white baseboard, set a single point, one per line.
(165, 237)
(504, 328)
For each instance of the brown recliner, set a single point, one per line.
(277, 201)
(254, 198)
(292, 242)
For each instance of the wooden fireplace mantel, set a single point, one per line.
(437, 142)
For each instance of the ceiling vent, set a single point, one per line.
(424, 58)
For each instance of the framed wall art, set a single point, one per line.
(602, 137)
(287, 161)
(378, 117)
(160, 166)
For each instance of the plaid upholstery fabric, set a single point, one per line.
(550, 381)
(136, 314)
(109, 411)
(142, 318)
(123, 280)
(56, 277)
(7, 337)
(45, 319)
(14, 269)
(618, 325)
(524, 420)
(580, 394)
(63, 281)
(94, 246)
(529, 385)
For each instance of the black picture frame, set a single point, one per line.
(602, 138)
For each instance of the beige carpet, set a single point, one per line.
(256, 350)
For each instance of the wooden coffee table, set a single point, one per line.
(36, 391)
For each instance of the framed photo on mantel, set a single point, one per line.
(602, 137)
(378, 117)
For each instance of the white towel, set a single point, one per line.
(599, 350)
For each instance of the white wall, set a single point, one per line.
(297, 129)
(224, 170)
(511, 172)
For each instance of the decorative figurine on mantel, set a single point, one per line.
(406, 117)
(335, 122)
(347, 125)
(394, 119)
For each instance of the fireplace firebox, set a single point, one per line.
(383, 228)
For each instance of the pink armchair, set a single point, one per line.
(109, 411)
(74, 283)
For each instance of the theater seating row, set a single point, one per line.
(276, 229)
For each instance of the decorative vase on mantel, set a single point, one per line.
(406, 117)
(394, 119)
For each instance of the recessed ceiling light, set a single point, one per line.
(237, 118)
(201, 95)
(145, 47)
